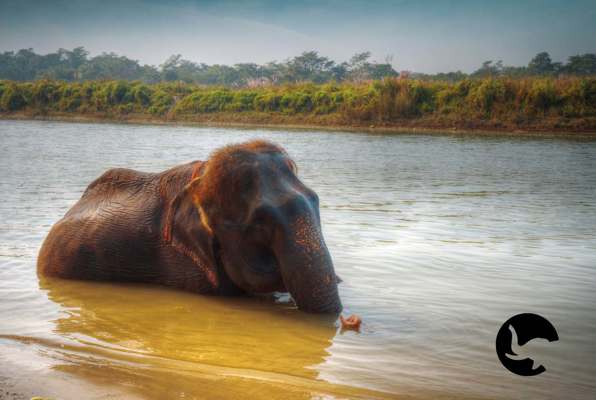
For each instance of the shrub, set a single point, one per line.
(242, 101)
(114, 93)
(579, 97)
(448, 99)
(267, 101)
(486, 94)
(45, 94)
(514, 101)
(12, 98)
(324, 103)
(70, 98)
(141, 94)
(189, 104)
(161, 103)
(215, 101)
(542, 95)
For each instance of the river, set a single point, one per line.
(439, 239)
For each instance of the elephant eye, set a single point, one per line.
(260, 223)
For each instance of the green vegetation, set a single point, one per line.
(76, 66)
(499, 103)
(539, 66)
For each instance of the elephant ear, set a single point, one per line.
(187, 231)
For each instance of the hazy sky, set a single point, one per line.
(423, 36)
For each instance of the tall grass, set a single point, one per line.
(511, 102)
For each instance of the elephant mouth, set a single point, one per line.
(260, 271)
(265, 264)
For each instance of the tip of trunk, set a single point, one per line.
(330, 304)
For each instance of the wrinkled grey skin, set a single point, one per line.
(280, 243)
(262, 235)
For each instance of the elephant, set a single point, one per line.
(240, 222)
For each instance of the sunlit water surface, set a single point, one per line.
(438, 240)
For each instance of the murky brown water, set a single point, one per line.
(438, 240)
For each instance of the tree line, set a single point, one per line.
(76, 65)
(540, 65)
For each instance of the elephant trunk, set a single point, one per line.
(306, 266)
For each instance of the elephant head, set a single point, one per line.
(266, 224)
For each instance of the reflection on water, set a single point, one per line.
(141, 332)
(192, 328)
(438, 241)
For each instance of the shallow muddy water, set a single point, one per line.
(438, 240)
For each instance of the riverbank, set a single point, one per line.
(222, 121)
(496, 105)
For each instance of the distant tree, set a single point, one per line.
(221, 75)
(581, 64)
(26, 64)
(514, 72)
(309, 66)
(361, 69)
(9, 68)
(77, 57)
(248, 72)
(275, 72)
(111, 66)
(541, 64)
(75, 64)
(150, 74)
(489, 68)
(339, 72)
(359, 60)
(441, 76)
(380, 71)
(358, 66)
(170, 66)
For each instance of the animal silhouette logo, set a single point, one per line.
(516, 332)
